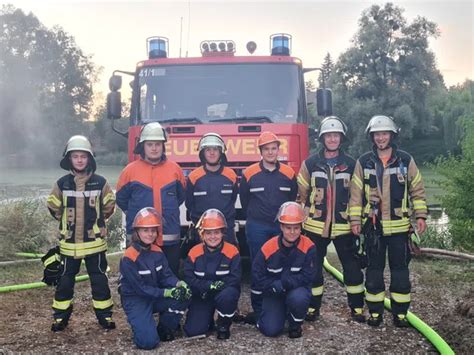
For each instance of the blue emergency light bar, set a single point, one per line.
(157, 47)
(280, 44)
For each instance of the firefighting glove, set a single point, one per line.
(52, 266)
(176, 293)
(217, 286)
(360, 253)
(184, 285)
(276, 287)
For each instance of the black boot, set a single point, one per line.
(295, 331)
(223, 327)
(251, 318)
(59, 324)
(401, 321)
(375, 319)
(165, 333)
(312, 314)
(107, 323)
(357, 314)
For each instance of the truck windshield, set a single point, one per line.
(221, 93)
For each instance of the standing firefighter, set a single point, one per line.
(154, 181)
(213, 185)
(148, 286)
(323, 183)
(282, 272)
(386, 190)
(82, 201)
(212, 270)
(264, 187)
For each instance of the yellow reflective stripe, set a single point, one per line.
(340, 227)
(313, 192)
(405, 199)
(62, 305)
(95, 227)
(379, 297)
(400, 297)
(63, 230)
(355, 211)
(357, 182)
(355, 289)
(109, 197)
(396, 223)
(416, 179)
(102, 304)
(419, 205)
(82, 249)
(302, 181)
(317, 291)
(51, 259)
(54, 200)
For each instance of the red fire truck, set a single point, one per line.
(236, 96)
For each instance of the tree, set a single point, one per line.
(327, 68)
(45, 88)
(388, 70)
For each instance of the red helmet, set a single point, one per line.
(291, 213)
(147, 217)
(267, 137)
(211, 219)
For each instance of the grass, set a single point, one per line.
(430, 179)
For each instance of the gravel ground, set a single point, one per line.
(27, 320)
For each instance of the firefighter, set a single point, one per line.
(81, 201)
(386, 190)
(148, 286)
(323, 186)
(154, 181)
(282, 272)
(264, 187)
(212, 270)
(213, 185)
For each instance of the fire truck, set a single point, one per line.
(236, 96)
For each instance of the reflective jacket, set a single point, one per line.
(262, 192)
(81, 204)
(207, 189)
(324, 190)
(393, 192)
(161, 186)
(292, 266)
(202, 267)
(145, 272)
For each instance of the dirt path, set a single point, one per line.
(27, 319)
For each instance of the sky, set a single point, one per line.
(115, 32)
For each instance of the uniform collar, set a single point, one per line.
(277, 166)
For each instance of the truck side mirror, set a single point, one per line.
(115, 82)
(324, 102)
(114, 105)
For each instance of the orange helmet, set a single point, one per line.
(267, 137)
(211, 219)
(147, 217)
(291, 213)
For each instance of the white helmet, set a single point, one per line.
(332, 124)
(77, 143)
(382, 123)
(211, 140)
(152, 132)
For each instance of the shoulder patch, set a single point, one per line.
(270, 247)
(287, 171)
(131, 253)
(305, 244)
(229, 250)
(196, 174)
(196, 252)
(252, 170)
(230, 174)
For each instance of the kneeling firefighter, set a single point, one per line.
(212, 269)
(148, 286)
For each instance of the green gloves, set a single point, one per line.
(184, 285)
(176, 293)
(217, 285)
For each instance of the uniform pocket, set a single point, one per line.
(319, 196)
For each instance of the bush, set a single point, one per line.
(25, 226)
(116, 232)
(434, 238)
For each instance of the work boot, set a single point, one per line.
(357, 314)
(375, 320)
(59, 324)
(295, 331)
(223, 327)
(401, 321)
(165, 333)
(107, 323)
(312, 315)
(251, 318)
